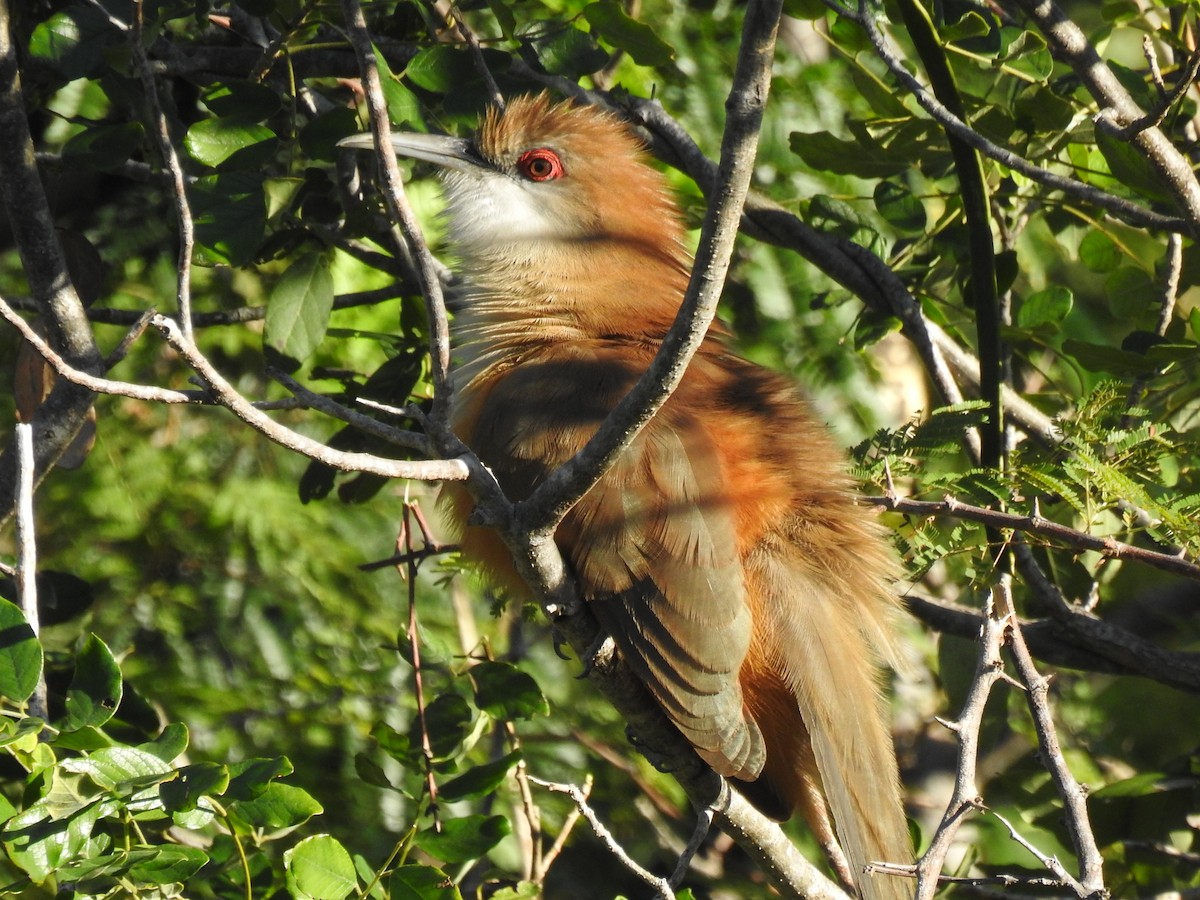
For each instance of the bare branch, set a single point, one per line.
(162, 135)
(988, 670)
(1036, 524)
(1118, 108)
(660, 885)
(1074, 796)
(1117, 206)
(223, 393)
(402, 214)
(27, 554)
(1118, 645)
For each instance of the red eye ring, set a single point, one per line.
(540, 164)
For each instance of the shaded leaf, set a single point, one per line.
(479, 780)
(465, 839)
(299, 307)
(1047, 307)
(95, 690)
(635, 38)
(319, 868)
(20, 655)
(505, 692)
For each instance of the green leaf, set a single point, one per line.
(230, 215)
(318, 139)
(524, 890)
(465, 839)
(1106, 358)
(899, 207)
(571, 52)
(40, 844)
(1099, 252)
(247, 101)
(279, 806)
(1131, 292)
(826, 153)
(183, 792)
(20, 655)
(251, 778)
(319, 868)
(449, 721)
(299, 307)
(480, 780)
(104, 147)
(168, 864)
(1046, 307)
(403, 106)
(634, 37)
(118, 766)
(95, 690)
(170, 744)
(74, 41)
(1129, 166)
(217, 141)
(505, 692)
(971, 25)
(441, 68)
(423, 883)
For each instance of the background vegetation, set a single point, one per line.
(233, 707)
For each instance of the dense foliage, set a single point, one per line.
(236, 708)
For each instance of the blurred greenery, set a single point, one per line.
(263, 735)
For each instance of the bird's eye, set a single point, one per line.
(541, 164)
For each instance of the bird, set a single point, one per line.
(724, 551)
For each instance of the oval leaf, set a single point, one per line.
(95, 690)
(1048, 307)
(634, 37)
(299, 307)
(462, 840)
(505, 692)
(20, 655)
(214, 141)
(422, 883)
(319, 868)
(479, 780)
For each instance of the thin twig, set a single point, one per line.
(661, 885)
(409, 440)
(27, 554)
(1074, 795)
(1187, 78)
(402, 213)
(1166, 306)
(1119, 207)
(568, 825)
(162, 135)
(223, 393)
(1034, 523)
(965, 797)
(1117, 106)
(451, 15)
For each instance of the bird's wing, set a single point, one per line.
(655, 548)
(653, 543)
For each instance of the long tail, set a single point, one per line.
(833, 632)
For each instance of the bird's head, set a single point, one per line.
(547, 174)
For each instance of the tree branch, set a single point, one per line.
(1034, 523)
(60, 416)
(1123, 209)
(1117, 107)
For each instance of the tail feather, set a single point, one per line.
(828, 651)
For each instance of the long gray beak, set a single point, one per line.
(443, 150)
